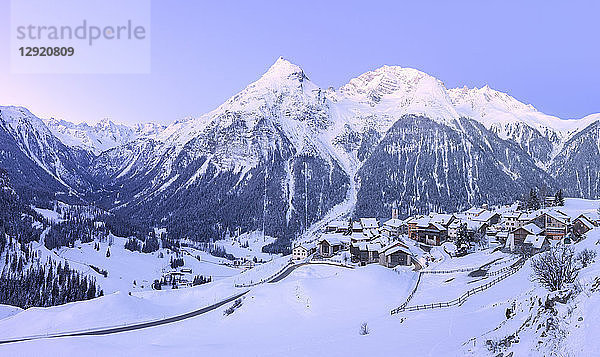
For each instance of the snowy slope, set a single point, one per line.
(317, 310)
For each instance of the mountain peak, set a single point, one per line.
(391, 80)
(284, 69)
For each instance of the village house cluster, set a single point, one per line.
(405, 242)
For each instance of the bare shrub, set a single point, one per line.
(586, 257)
(364, 329)
(555, 268)
(230, 310)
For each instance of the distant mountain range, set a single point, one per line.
(283, 153)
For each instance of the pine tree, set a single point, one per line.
(534, 202)
(559, 199)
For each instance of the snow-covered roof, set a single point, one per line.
(485, 216)
(338, 224)
(369, 223)
(455, 223)
(586, 222)
(332, 239)
(474, 211)
(374, 247)
(532, 228)
(358, 235)
(441, 218)
(356, 225)
(368, 246)
(591, 216)
(535, 240)
(393, 245)
(502, 234)
(438, 226)
(559, 216)
(398, 248)
(514, 215)
(394, 223)
(422, 222)
(306, 246)
(528, 216)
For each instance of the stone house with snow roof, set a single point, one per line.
(330, 244)
(303, 251)
(393, 227)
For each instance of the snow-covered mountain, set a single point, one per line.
(261, 160)
(283, 153)
(103, 136)
(541, 135)
(40, 164)
(577, 166)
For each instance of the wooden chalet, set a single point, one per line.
(556, 224)
(338, 227)
(521, 233)
(365, 252)
(582, 225)
(395, 254)
(329, 245)
(432, 234)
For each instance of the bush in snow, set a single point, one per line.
(586, 257)
(177, 262)
(133, 245)
(555, 268)
(230, 310)
(364, 329)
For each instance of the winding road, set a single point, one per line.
(139, 326)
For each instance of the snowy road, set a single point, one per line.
(139, 326)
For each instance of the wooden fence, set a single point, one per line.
(461, 270)
(412, 293)
(460, 300)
